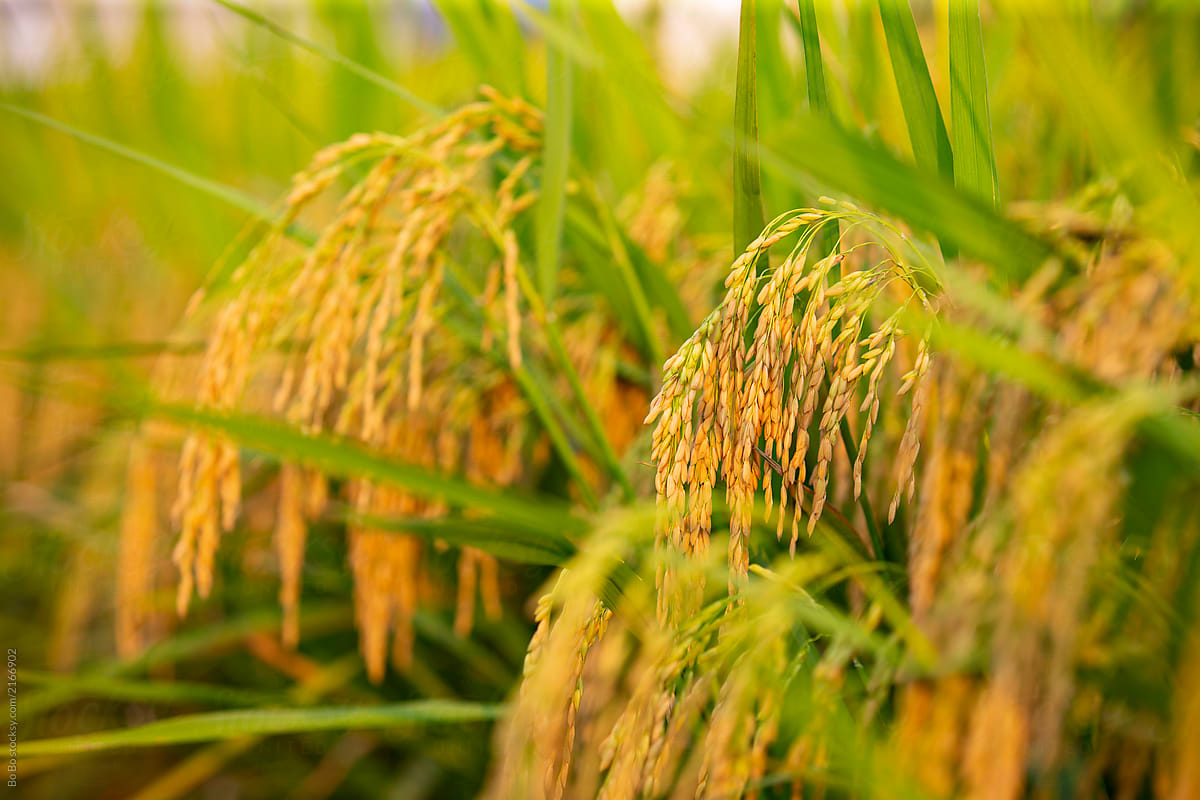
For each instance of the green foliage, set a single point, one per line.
(974, 163)
(1085, 119)
(923, 115)
(747, 187)
(233, 724)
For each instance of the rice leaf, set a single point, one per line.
(818, 101)
(223, 725)
(922, 114)
(189, 643)
(748, 215)
(818, 98)
(511, 544)
(329, 54)
(488, 35)
(559, 35)
(846, 162)
(226, 194)
(346, 458)
(629, 277)
(555, 160)
(143, 691)
(608, 455)
(661, 293)
(971, 119)
(814, 67)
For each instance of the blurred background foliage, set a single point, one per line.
(100, 251)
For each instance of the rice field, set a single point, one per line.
(594, 399)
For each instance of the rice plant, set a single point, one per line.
(816, 421)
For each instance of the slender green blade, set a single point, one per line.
(148, 691)
(818, 97)
(845, 162)
(774, 68)
(561, 427)
(775, 86)
(226, 194)
(971, 119)
(556, 159)
(346, 458)
(814, 66)
(234, 724)
(661, 293)
(922, 113)
(328, 53)
(189, 643)
(511, 544)
(748, 216)
(629, 278)
(488, 35)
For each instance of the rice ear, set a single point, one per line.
(763, 380)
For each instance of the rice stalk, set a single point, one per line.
(1020, 534)
(358, 334)
(740, 379)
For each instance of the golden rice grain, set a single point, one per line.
(356, 315)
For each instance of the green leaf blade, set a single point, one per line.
(922, 113)
(748, 216)
(224, 725)
(346, 458)
(814, 65)
(488, 35)
(333, 56)
(974, 155)
(846, 162)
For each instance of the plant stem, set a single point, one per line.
(863, 501)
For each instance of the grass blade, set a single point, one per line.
(536, 386)
(328, 53)
(974, 157)
(814, 66)
(922, 114)
(487, 33)
(629, 277)
(556, 159)
(608, 455)
(748, 216)
(818, 97)
(846, 162)
(511, 544)
(233, 724)
(818, 102)
(346, 458)
(148, 691)
(189, 643)
(661, 293)
(226, 194)
(774, 68)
